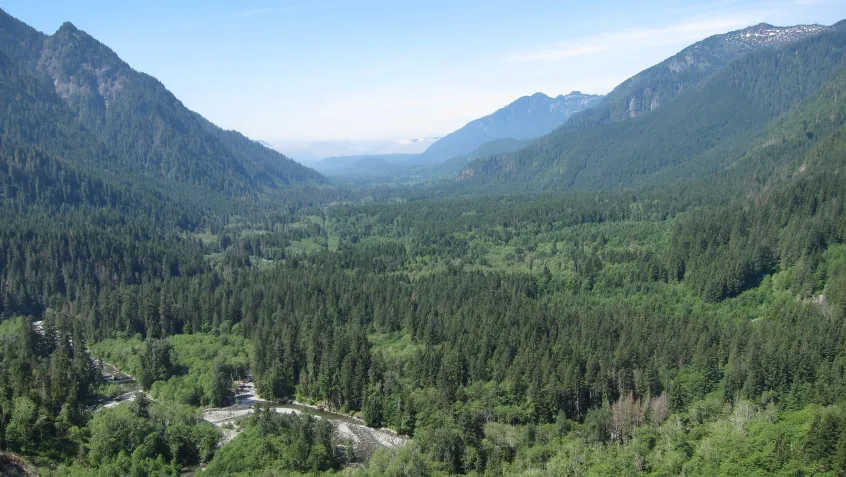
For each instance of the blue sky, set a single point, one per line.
(290, 71)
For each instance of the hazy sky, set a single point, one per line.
(364, 70)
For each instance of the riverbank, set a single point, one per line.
(349, 429)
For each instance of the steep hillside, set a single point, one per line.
(659, 84)
(48, 159)
(499, 146)
(702, 131)
(147, 129)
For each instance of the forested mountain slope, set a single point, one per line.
(527, 117)
(699, 133)
(500, 146)
(365, 165)
(505, 130)
(659, 84)
(688, 323)
(145, 127)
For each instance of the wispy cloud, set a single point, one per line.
(628, 38)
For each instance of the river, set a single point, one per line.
(349, 430)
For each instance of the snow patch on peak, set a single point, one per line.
(766, 34)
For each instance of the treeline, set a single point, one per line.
(55, 263)
(722, 252)
(46, 376)
(517, 348)
(488, 347)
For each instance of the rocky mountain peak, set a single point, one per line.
(68, 27)
(83, 69)
(764, 34)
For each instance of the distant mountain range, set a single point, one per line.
(139, 127)
(526, 118)
(702, 112)
(308, 152)
(513, 126)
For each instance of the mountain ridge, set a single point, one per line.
(688, 132)
(515, 120)
(660, 83)
(501, 131)
(147, 127)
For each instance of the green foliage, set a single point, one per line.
(280, 442)
(156, 362)
(691, 326)
(406, 462)
(598, 425)
(44, 380)
(143, 127)
(196, 370)
(720, 117)
(147, 440)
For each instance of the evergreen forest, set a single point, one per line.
(662, 294)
